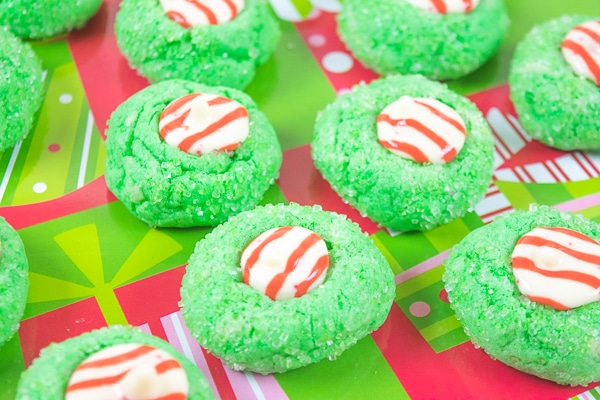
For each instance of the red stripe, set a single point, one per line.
(172, 108)
(413, 151)
(540, 241)
(440, 6)
(251, 261)
(413, 123)
(319, 268)
(495, 212)
(573, 233)
(229, 147)
(219, 100)
(173, 396)
(91, 383)
(443, 116)
(468, 5)
(166, 365)
(210, 16)
(549, 302)
(278, 280)
(179, 18)
(592, 34)
(587, 58)
(585, 168)
(238, 113)
(120, 358)
(176, 123)
(232, 8)
(551, 171)
(529, 265)
(586, 157)
(563, 173)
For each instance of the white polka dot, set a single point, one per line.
(65, 98)
(40, 187)
(342, 91)
(316, 40)
(337, 62)
(419, 309)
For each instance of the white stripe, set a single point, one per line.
(504, 153)
(498, 159)
(504, 129)
(519, 128)
(521, 174)
(552, 167)
(573, 170)
(492, 203)
(85, 152)
(185, 346)
(254, 385)
(285, 10)
(506, 174)
(540, 173)
(594, 158)
(585, 164)
(9, 168)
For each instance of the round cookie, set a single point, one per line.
(394, 36)
(399, 193)
(45, 18)
(14, 281)
(562, 346)
(48, 376)
(248, 330)
(226, 54)
(554, 105)
(165, 186)
(20, 89)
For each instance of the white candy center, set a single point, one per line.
(445, 6)
(421, 129)
(199, 123)
(558, 267)
(581, 49)
(285, 262)
(128, 372)
(189, 13)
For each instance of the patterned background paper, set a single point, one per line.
(92, 264)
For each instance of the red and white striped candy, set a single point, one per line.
(581, 49)
(128, 371)
(558, 267)
(285, 262)
(189, 13)
(446, 6)
(199, 123)
(421, 129)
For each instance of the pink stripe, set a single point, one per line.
(579, 204)
(421, 268)
(240, 384)
(270, 387)
(175, 341)
(145, 328)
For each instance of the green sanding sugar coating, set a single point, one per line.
(562, 346)
(165, 186)
(14, 281)
(394, 36)
(396, 192)
(20, 88)
(248, 330)
(48, 376)
(555, 106)
(225, 54)
(45, 18)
